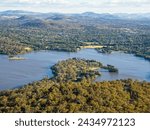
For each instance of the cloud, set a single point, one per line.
(78, 2)
(117, 2)
(77, 5)
(35, 1)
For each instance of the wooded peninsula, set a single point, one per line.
(73, 89)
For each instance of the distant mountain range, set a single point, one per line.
(59, 16)
(16, 12)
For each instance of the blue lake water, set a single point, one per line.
(37, 65)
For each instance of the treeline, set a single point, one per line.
(110, 68)
(140, 50)
(48, 96)
(10, 47)
(135, 41)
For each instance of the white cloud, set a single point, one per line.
(89, 2)
(36, 1)
(78, 5)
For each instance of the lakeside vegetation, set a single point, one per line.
(76, 70)
(137, 50)
(91, 45)
(64, 93)
(73, 32)
(110, 68)
(11, 47)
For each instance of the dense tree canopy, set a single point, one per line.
(76, 69)
(69, 33)
(84, 96)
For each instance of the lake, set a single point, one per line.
(15, 73)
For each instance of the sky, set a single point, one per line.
(78, 6)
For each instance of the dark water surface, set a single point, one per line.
(37, 65)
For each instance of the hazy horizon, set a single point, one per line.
(74, 12)
(78, 6)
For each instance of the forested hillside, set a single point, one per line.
(68, 32)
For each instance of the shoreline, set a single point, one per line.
(16, 58)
